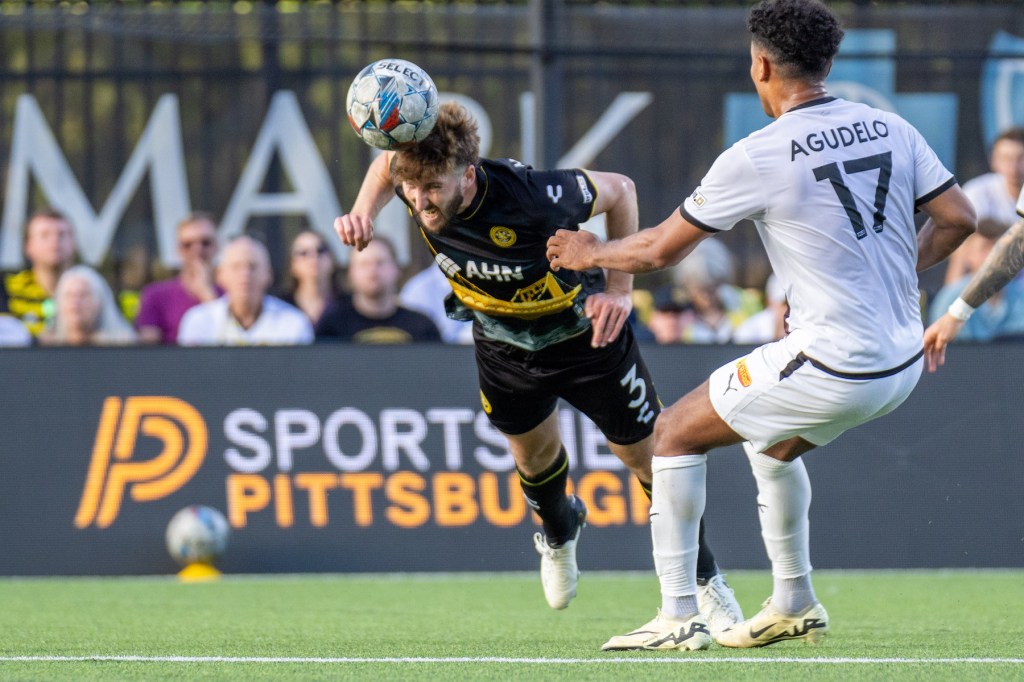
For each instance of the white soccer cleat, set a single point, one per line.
(664, 633)
(558, 571)
(770, 626)
(718, 604)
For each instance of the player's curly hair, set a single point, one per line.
(800, 35)
(453, 143)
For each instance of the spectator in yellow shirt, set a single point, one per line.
(50, 249)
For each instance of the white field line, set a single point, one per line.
(473, 576)
(495, 659)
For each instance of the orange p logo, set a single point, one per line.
(171, 420)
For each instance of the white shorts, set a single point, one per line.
(764, 408)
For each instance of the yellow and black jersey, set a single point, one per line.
(494, 254)
(28, 300)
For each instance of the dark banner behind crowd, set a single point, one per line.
(381, 459)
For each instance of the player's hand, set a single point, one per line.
(937, 337)
(607, 312)
(572, 250)
(354, 230)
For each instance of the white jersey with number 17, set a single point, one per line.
(832, 188)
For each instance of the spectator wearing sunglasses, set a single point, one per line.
(165, 302)
(311, 284)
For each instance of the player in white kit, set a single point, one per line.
(832, 187)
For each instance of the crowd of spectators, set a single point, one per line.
(1002, 315)
(225, 293)
(993, 194)
(222, 295)
(994, 197)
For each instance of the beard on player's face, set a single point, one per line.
(436, 218)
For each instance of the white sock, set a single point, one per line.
(793, 595)
(678, 503)
(784, 500)
(673, 606)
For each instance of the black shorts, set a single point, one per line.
(519, 389)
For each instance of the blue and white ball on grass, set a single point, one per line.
(392, 104)
(197, 535)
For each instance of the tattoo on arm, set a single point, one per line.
(1002, 265)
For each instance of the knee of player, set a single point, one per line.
(667, 438)
(672, 437)
(533, 457)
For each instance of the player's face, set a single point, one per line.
(436, 200)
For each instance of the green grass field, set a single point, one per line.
(889, 625)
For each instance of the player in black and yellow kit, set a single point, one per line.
(539, 335)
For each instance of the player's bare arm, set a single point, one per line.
(952, 221)
(1001, 266)
(609, 310)
(648, 250)
(356, 227)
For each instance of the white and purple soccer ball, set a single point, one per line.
(392, 103)
(197, 534)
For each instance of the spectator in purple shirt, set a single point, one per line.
(165, 302)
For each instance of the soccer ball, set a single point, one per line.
(392, 104)
(197, 534)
